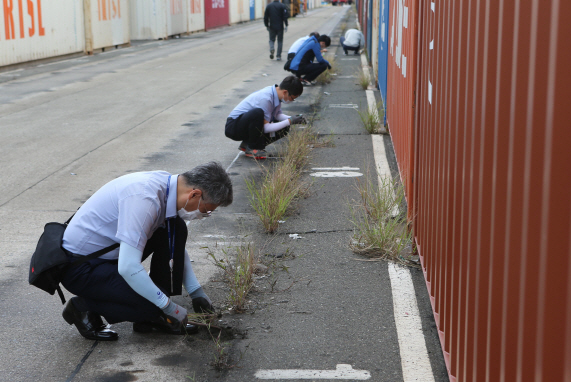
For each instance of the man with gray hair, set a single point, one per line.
(138, 215)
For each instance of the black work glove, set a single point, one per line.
(202, 305)
(328, 66)
(298, 120)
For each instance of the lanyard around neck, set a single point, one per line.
(171, 235)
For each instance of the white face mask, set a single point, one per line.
(286, 102)
(192, 215)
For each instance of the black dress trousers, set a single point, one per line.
(102, 290)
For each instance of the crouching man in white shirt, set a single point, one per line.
(145, 214)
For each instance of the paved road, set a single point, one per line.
(70, 126)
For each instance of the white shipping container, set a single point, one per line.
(177, 17)
(260, 8)
(156, 19)
(195, 15)
(35, 29)
(106, 23)
(239, 11)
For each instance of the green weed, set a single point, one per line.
(379, 230)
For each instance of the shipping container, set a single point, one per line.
(177, 17)
(195, 15)
(106, 23)
(492, 185)
(401, 85)
(239, 11)
(252, 9)
(369, 31)
(374, 56)
(216, 13)
(37, 29)
(158, 19)
(383, 54)
(260, 8)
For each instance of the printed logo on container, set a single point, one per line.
(217, 4)
(109, 9)
(27, 15)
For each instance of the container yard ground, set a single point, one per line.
(71, 126)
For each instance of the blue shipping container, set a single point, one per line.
(383, 53)
(252, 9)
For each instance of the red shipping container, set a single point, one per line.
(216, 13)
(492, 185)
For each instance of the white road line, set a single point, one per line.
(235, 159)
(382, 164)
(414, 357)
(336, 174)
(342, 372)
(335, 168)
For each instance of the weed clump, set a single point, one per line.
(379, 230)
(371, 119)
(327, 75)
(363, 79)
(239, 274)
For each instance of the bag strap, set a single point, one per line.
(95, 255)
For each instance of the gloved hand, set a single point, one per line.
(200, 302)
(298, 120)
(285, 29)
(329, 66)
(175, 313)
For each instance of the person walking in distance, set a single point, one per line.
(275, 17)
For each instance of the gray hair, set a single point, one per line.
(213, 181)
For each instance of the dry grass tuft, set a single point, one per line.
(380, 232)
(372, 119)
(238, 274)
(327, 76)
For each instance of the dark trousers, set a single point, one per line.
(346, 48)
(280, 35)
(249, 127)
(102, 290)
(311, 71)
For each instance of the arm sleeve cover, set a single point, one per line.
(188, 277)
(273, 127)
(134, 273)
(282, 117)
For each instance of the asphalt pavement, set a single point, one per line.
(69, 126)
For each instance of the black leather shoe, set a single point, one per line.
(162, 325)
(88, 324)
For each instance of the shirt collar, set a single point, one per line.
(275, 97)
(171, 201)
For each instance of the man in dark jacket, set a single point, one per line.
(275, 17)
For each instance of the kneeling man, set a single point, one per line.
(145, 214)
(258, 120)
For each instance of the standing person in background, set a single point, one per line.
(275, 17)
(302, 64)
(353, 40)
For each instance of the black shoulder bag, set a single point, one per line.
(50, 261)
